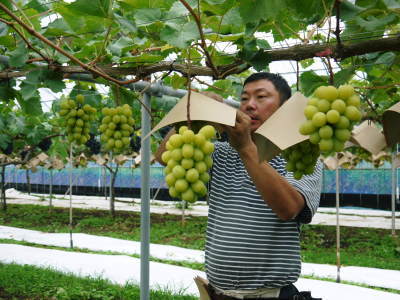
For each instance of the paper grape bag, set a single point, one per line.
(202, 108)
(369, 137)
(281, 130)
(391, 124)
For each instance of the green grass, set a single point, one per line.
(364, 247)
(28, 282)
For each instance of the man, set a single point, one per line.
(256, 208)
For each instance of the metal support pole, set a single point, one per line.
(394, 183)
(145, 202)
(337, 227)
(71, 243)
(110, 186)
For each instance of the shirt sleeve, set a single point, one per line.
(310, 187)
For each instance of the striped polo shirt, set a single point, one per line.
(247, 245)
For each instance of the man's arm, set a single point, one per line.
(276, 191)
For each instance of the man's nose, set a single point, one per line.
(251, 104)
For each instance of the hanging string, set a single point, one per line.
(189, 89)
(297, 75)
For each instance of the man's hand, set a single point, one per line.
(240, 135)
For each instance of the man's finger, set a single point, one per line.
(242, 117)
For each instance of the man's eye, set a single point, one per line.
(243, 99)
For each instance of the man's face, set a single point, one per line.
(259, 100)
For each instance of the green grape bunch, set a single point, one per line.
(301, 158)
(116, 128)
(77, 117)
(188, 159)
(331, 114)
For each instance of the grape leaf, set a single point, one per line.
(147, 16)
(7, 3)
(7, 92)
(120, 45)
(19, 56)
(309, 81)
(343, 76)
(180, 37)
(260, 60)
(372, 23)
(257, 10)
(98, 8)
(31, 105)
(386, 58)
(127, 25)
(177, 81)
(58, 148)
(16, 124)
(36, 5)
(348, 10)
(28, 90)
(122, 95)
(4, 140)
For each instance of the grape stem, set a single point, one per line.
(189, 88)
(337, 31)
(331, 74)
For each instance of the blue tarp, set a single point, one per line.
(356, 181)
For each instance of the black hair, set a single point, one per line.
(278, 81)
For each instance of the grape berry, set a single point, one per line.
(45, 144)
